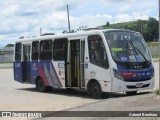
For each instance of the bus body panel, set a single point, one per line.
(18, 71)
(48, 73)
(60, 71)
(34, 72)
(53, 72)
(121, 86)
(100, 74)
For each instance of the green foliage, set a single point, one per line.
(153, 43)
(157, 92)
(107, 24)
(9, 45)
(148, 28)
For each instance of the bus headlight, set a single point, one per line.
(117, 74)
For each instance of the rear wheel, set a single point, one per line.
(95, 90)
(131, 93)
(41, 87)
(69, 89)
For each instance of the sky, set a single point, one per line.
(25, 17)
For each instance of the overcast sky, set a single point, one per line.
(25, 17)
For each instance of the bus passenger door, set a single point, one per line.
(74, 65)
(26, 62)
(82, 65)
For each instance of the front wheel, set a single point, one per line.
(95, 90)
(131, 93)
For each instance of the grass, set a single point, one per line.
(5, 62)
(155, 61)
(157, 92)
(6, 67)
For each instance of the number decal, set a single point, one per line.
(114, 37)
(127, 37)
(121, 37)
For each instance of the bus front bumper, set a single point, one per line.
(123, 86)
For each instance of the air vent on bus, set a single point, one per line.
(48, 34)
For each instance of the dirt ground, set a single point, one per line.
(15, 96)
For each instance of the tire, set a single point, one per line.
(41, 87)
(131, 93)
(95, 90)
(69, 89)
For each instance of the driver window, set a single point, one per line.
(97, 52)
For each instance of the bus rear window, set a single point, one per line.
(18, 49)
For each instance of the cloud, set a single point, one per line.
(125, 7)
(10, 10)
(127, 17)
(25, 17)
(123, 18)
(137, 15)
(90, 20)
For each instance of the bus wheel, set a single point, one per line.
(131, 93)
(69, 89)
(41, 87)
(95, 90)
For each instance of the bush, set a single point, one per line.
(153, 43)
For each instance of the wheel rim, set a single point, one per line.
(96, 90)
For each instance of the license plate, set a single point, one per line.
(139, 85)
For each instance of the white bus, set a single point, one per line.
(96, 60)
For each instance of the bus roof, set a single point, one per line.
(81, 33)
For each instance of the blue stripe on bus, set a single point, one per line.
(144, 74)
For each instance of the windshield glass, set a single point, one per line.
(127, 46)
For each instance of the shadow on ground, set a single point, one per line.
(82, 93)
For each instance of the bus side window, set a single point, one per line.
(97, 52)
(58, 49)
(35, 50)
(46, 50)
(18, 50)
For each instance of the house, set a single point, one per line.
(6, 54)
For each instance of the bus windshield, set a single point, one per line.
(127, 46)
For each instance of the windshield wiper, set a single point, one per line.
(136, 49)
(140, 53)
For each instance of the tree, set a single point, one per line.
(152, 29)
(107, 24)
(9, 45)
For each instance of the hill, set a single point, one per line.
(148, 28)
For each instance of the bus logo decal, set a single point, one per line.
(34, 67)
(86, 65)
(17, 65)
(61, 65)
(92, 73)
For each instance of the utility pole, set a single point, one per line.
(159, 47)
(68, 19)
(40, 31)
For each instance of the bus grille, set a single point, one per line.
(134, 87)
(137, 80)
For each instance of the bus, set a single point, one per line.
(98, 61)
